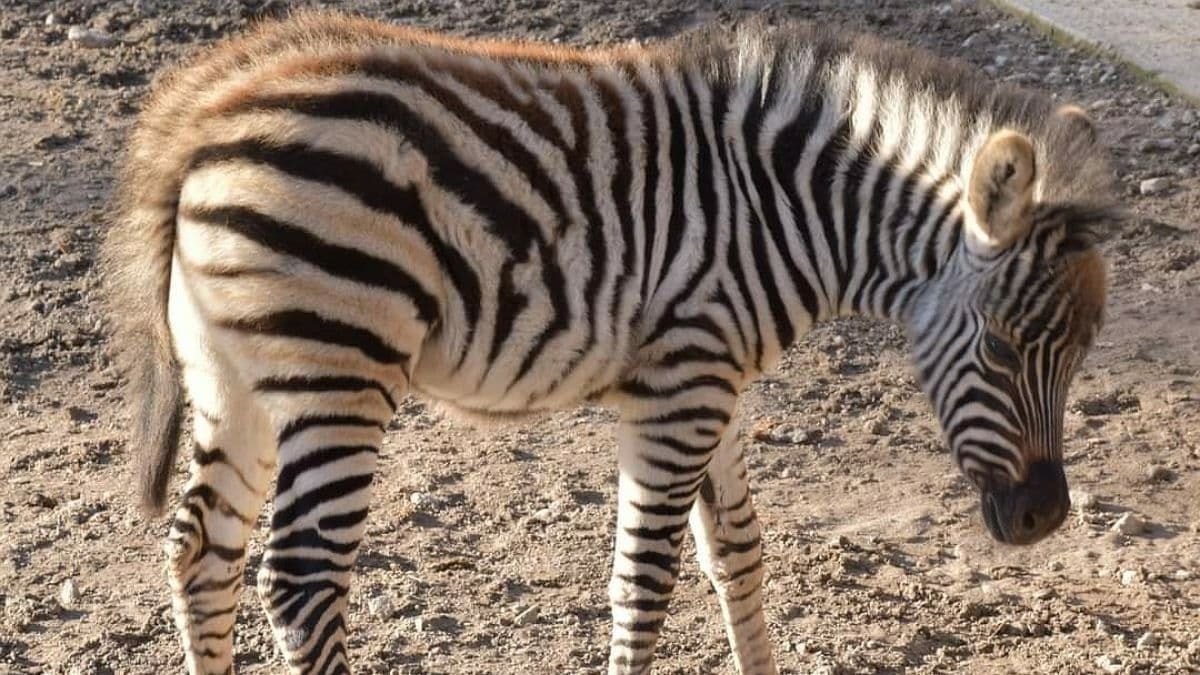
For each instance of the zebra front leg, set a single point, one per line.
(666, 437)
(729, 546)
(327, 456)
(206, 547)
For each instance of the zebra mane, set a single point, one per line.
(1074, 171)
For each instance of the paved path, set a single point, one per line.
(1160, 36)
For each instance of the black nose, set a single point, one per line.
(1026, 512)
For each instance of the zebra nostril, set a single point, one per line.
(1028, 521)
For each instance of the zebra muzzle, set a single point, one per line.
(1026, 512)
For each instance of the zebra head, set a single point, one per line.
(1001, 331)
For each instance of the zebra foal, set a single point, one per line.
(328, 214)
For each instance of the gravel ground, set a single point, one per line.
(489, 550)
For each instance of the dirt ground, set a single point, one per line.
(878, 558)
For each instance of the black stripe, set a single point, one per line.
(311, 538)
(665, 562)
(855, 175)
(509, 304)
(299, 566)
(823, 175)
(694, 354)
(643, 604)
(681, 447)
(677, 140)
(784, 330)
(317, 458)
(649, 138)
(305, 422)
(649, 583)
(323, 383)
(313, 499)
(217, 455)
(664, 509)
(303, 324)
(621, 186)
(693, 414)
(340, 261)
(666, 532)
(342, 521)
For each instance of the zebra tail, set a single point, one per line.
(136, 259)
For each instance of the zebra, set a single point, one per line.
(328, 214)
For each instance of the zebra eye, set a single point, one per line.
(1000, 350)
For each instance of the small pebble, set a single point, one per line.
(1156, 473)
(1129, 525)
(1181, 575)
(90, 38)
(381, 606)
(1108, 664)
(1153, 186)
(68, 594)
(417, 498)
(1129, 577)
(1148, 641)
(876, 427)
(1157, 145)
(1194, 149)
(1084, 501)
(544, 516)
(528, 616)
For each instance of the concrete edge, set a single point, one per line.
(1065, 36)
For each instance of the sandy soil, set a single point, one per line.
(878, 559)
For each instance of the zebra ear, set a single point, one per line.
(1078, 121)
(1000, 194)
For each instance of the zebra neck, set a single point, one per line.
(852, 187)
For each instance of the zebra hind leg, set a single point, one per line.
(729, 546)
(206, 545)
(328, 443)
(666, 437)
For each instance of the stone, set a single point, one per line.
(1129, 577)
(1084, 501)
(381, 606)
(1153, 186)
(1182, 575)
(1153, 145)
(544, 516)
(437, 623)
(528, 616)
(417, 499)
(1194, 149)
(1130, 525)
(68, 594)
(1149, 640)
(90, 38)
(1108, 664)
(1156, 473)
